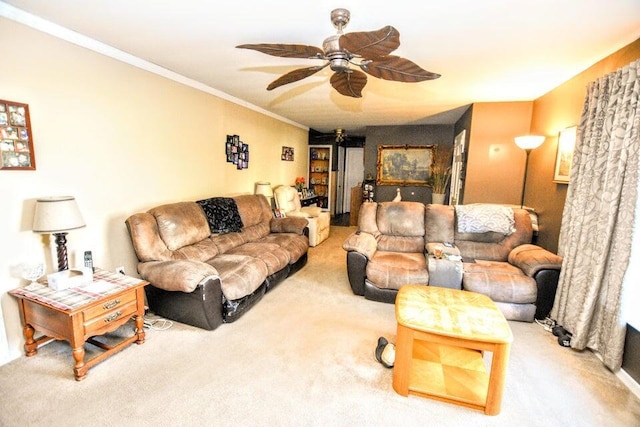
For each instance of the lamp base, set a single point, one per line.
(61, 242)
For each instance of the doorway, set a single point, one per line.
(353, 173)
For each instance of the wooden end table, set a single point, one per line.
(442, 334)
(77, 315)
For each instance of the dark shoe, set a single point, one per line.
(385, 352)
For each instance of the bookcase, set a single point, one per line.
(320, 173)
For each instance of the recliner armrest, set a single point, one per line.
(531, 259)
(288, 225)
(177, 275)
(361, 242)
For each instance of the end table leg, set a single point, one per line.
(139, 329)
(79, 370)
(30, 345)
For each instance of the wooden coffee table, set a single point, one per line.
(442, 335)
(77, 315)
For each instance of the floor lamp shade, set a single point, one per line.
(57, 216)
(527, 143)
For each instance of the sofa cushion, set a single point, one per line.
(296, 245)
(253, 209)
(274, 257)
(181, 224)
(391, 270)
(500, 281)
(401, 244)
(439, 222)
(240, 275)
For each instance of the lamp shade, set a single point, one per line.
(529, 142)
(264, 188)
(57, 215)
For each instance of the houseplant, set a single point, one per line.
(440, 173)
(299, 183)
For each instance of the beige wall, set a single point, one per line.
(495, 165)
(121, 140)
(556, 110)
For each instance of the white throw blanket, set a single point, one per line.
(481, 218)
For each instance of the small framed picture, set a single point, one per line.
(16, 145)
(287, 154)
(564, 156)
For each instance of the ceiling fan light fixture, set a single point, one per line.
(371, 49)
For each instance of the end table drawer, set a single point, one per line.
(109, 305)
(113, 317)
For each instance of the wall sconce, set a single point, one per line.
(264, 188)
(57, 216)
(527, 143)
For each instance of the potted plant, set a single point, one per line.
(440, 173)
(299, 183)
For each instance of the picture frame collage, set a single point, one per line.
(287, 154)
(16, 139)
(237, 152)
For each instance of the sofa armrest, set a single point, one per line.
(177, 275)
(433, 248)
(531, 259)
(288, 225)
(363, 243)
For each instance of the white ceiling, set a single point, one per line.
(498, 50)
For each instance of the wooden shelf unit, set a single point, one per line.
(320, 173)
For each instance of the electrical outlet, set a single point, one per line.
(120, 270)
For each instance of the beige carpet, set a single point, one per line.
(302, 356)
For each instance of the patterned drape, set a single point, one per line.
(599, 215)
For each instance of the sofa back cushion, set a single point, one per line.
(256, 215)
(439, 223)
(168, 232)
(401, 226)
(181, 224)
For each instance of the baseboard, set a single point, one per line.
(629, 382)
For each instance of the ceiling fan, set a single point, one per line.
(369, 50)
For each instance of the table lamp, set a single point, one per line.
(57, 216)
(264, 188)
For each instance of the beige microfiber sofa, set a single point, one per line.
(205, 271)
(391, 248)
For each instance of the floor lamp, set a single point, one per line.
(57, 216)
(527, 143)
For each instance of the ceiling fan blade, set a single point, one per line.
(397, 69)
(294, 76)
(371, 44)
(285, 50)
(349, 83)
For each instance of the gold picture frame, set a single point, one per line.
(404, 165)
(564, 156)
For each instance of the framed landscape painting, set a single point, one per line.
(564, 157)
(404, 164)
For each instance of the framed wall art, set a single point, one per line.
(564, 157)
(237, 152)
(16, 140)
(287, 154)
(404, 164)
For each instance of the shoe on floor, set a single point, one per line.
(385, 352)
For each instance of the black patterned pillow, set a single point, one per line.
(222, 214)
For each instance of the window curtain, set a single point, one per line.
(599, 216)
